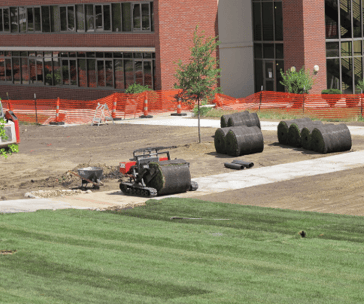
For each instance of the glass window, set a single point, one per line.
(57, 70)
(119, 74)
(55, 21)
(46, 22)
(346, 48)
(258, 50)
(138, 55)
(268, 26)
(268, 51)
(332, 49)
(116, 17)
(138, 70)
(128, 55)
(9, 72)
(278, 19)
(331, 19)
(347, 75)
(257, 22)
(356, 18)
(39, 62)
(129, 73)
(91, 73)
(89, 9)
(32, 71)
(30, 19)
(71, 18)
(37, 22)
(107, 18)
(82, 73)
(345, 19)
(279, 51)
(136, 17)
(22, 19)
(279, 66)
(16, 70)
(6, 19)
(145, 17)
(147, 55)
(358, 72)
(357, 48)
(2, 69)
(98, 17)
(147, 65)
(63, 11)
(80, 18)
(109, 74)
(48, 79)
(152, 16)
(65, 72)
(108, 55)
(24, 71)
(14, 21)
(73, 72)
(100, 73)
(126, 18)
(1, 20)
(258, 73)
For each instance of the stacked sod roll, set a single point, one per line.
(331, 138)
(244, 140)
(283, 128)
(295, 129)
(172, 176)
(239, 134)
(306, 136)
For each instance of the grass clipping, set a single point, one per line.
(171, 176)
(331, 138)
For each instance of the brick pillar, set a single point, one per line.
(304, 38)
(176, 22)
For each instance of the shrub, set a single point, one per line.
(297, 82)
(136, 88)
(331, 91)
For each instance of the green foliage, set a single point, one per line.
(136, 88)
(10, 149)
(297, 82)
(203, 111)
(198, 78)
(331, 91)
(360, 85)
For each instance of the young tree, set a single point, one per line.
(198, 77)
(300, 82)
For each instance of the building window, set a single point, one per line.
(344, 38)
(113, 70)
(268, 45)
(115, 17)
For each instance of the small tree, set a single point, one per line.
(198, 78)
(297, 82)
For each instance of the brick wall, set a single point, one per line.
(175, 25)
(304, 38)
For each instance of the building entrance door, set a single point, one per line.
(269, 75)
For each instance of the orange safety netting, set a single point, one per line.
(126, 106)
(329, 106)
(120, 105)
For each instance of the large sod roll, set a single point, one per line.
(245, 119)
(283, 127)
(244, 140)
(331, 138)
(225, 118)
(172, 176)
(294, 131)
(220, 139)
(306, 135)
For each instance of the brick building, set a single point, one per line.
(89, 49)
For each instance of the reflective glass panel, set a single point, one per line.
(82, 74)
(126, 11)
(119, 74)
(116, 17)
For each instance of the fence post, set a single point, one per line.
(36, 112)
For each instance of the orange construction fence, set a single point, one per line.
(330, 106)
(126, 106)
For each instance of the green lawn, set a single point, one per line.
(234, 254)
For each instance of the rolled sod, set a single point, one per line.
(220, 139)
(172, 176)
(225, 118)
(294, 131)
(331, 138)
(244, 140)
(283, 127)
(306, 135)
(245, 119)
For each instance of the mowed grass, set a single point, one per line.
(233, 254)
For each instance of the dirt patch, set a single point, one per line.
(48, 153)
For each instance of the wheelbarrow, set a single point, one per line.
(90, 175)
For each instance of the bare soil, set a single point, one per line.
(47, 153)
